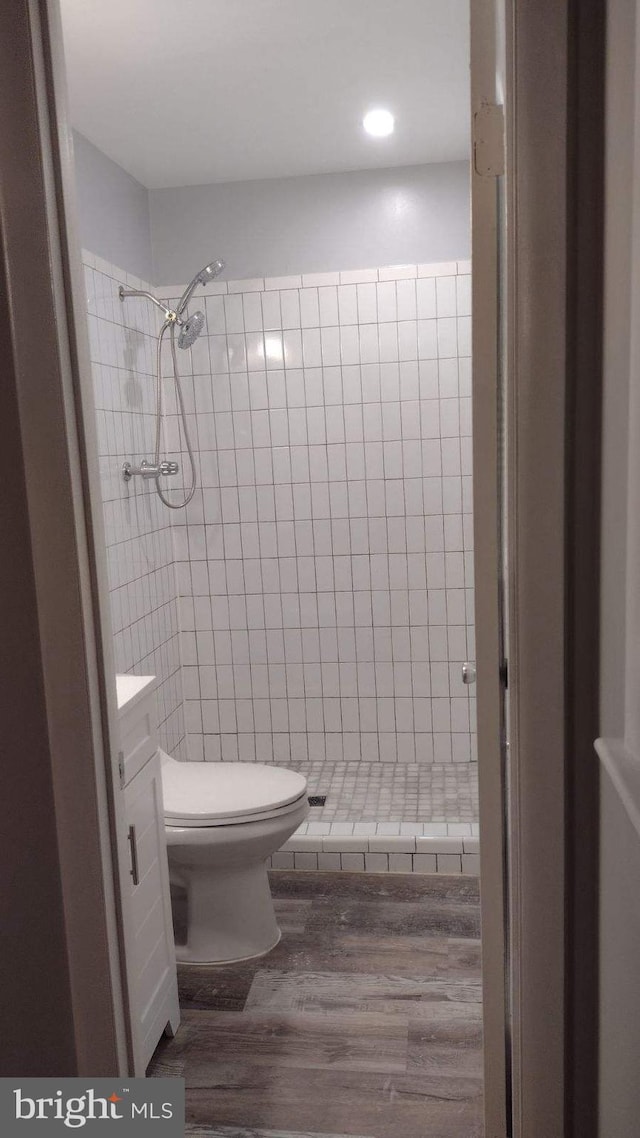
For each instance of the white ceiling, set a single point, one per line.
(185, 92)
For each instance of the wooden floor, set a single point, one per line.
(365, 1020)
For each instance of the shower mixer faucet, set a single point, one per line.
(149, 469)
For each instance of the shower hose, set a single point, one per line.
(170, 324)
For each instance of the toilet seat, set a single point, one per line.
(226, 794)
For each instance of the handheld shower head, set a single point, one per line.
(210, 272)
(190, 330)
(204, 277)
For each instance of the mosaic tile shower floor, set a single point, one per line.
(383, 792)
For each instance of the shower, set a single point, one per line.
(190, 328)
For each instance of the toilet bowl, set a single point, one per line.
(222, 821)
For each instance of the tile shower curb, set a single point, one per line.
(326, 846)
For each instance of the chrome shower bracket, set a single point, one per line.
(148, 469)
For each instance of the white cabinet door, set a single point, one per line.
(151, 966)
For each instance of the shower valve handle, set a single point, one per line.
(149, 469)
(468, 673)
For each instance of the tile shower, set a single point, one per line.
(313, 605)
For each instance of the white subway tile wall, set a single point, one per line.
(141, 571)
(324, 567)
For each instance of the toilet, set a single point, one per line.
(222, 822)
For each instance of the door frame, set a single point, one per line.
(554, 134)
(487, 280)
(48, 492)
(519, 288)
(71, 296)
(537, 183)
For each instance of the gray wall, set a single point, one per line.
(320, 223)
(275, 226)
(113, 210)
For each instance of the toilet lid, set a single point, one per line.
(204, 793)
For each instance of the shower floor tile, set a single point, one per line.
(359, 792)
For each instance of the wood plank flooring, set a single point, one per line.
(364, 1021)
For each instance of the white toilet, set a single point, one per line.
(222, 821)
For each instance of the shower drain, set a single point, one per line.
(317, 799)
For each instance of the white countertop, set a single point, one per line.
(130, 689)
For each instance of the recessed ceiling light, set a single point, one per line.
(379, 123)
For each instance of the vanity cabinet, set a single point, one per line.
(151, 963)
